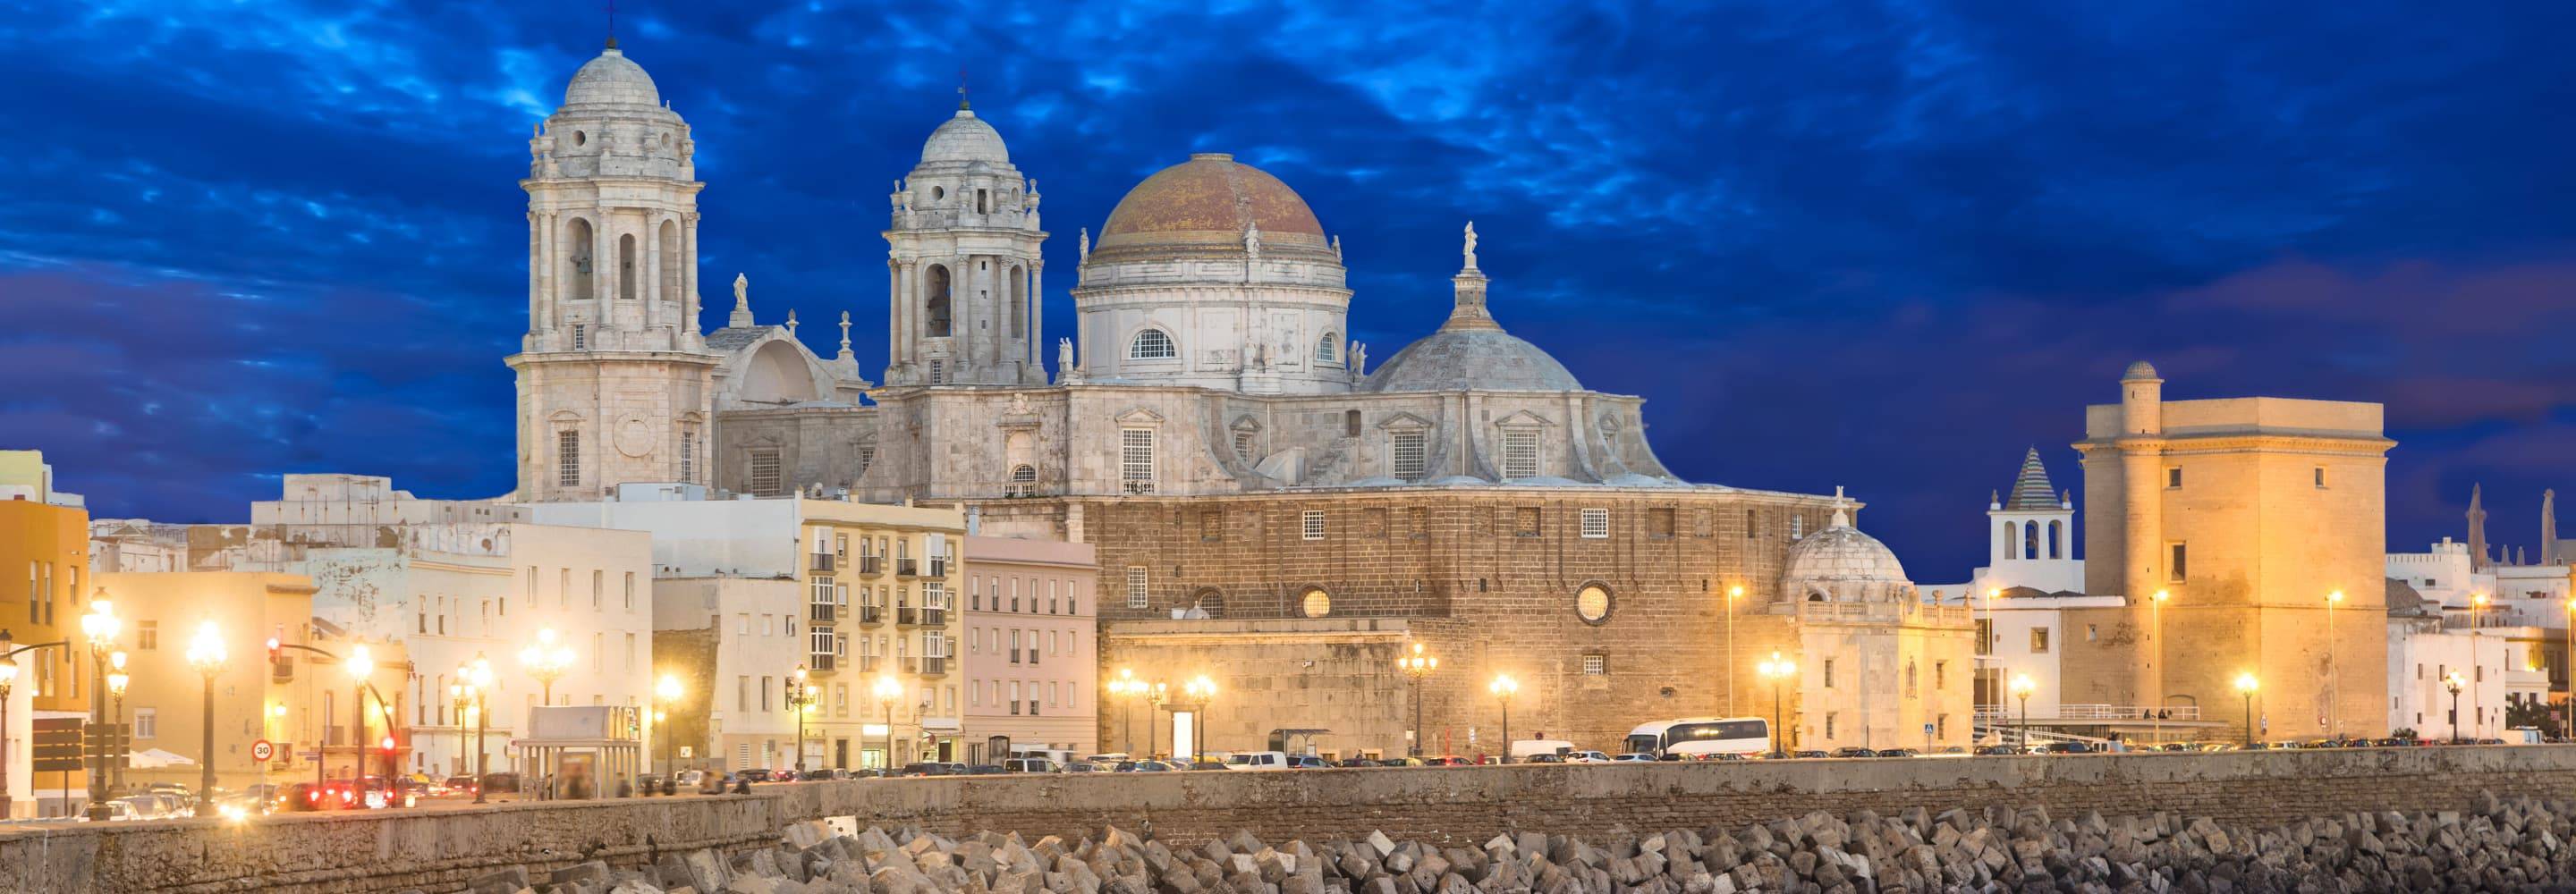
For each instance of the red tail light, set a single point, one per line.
(314, 795)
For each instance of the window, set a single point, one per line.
(1910, 679)
(2176, 571)
(1596, 664)
(742, 693)
(147, 635)
(630, 591)
(147, 723)
(1828, 669)
(867, 457)
(1940, 675)
(1351, 423)
(1328, 348)
(764, 471)
(1525, 521)
(1136, 459)
(688, 455)
(1659, 524)
(1318, 603)
(1313, 524)
(2039, 640)
(823, 646)
(1596, 524)
(1152, 344)
(1829, 724)
(568, 459)
(1211, 528)
(1520, 453)
(1406, 453)
(598, 584)
(1024, 481)
(2092, 633)
(580, 337)
(939, 372)
(1135, 586)
(1797, 526)
(2319, 474)
(1243, 446)
(2173, 476)
(1592, 603)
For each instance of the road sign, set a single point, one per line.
(58, 744)
(1927, 729)
(261, 750)
(687, 752)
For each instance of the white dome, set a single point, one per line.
(965, 138)
(612, 79)
(1842, 564)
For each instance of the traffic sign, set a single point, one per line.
(261, 750)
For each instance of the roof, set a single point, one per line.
(733, 338)
(612, 79)
(1472, 360)
(2031, 489)
(1841, 552)
(965, 138)
(1211, 202)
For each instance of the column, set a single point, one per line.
(603, 258)
(651, 290)
(536, 290)
(965, 312)
(894, 313)
(689, 270)
(1037, 326)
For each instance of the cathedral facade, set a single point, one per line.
(1268, 509)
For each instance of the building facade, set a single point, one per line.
(45, 533)
(1032, 654)
(254, 701)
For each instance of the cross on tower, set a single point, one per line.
(961, 88)
(612, 23)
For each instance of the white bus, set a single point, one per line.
(1694, 737)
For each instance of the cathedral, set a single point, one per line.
(1269, 508)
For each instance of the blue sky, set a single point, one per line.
(1879, 245)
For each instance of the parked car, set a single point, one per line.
(752, 774)
(116, 811)
(500, 783)
(143, 807)
(1634, 757)
(1854, 751)
(1031, 765)
(1810, 754)
(1997, 750)
(1447, 760)
(1544, 759)
(927, 768)
(1306, 762)
(2066, 748)
(1257, 760)
(982, 770)
(825, 774)
(1141, 767)
(1897, 752)
(1086, 767)
(1586, 757)
(1403, 762)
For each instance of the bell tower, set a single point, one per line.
(614, 378)
(963, 265)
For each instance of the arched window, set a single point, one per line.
(2030, 548)
(1019, 301)
(2012, 540)
(935, 317)
(1328, 349)
(2056, 540)
(626, 267)
(670, 290)
(1024, 481)
(577, 245)
(1152, 344)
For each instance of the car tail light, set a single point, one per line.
(314, 795)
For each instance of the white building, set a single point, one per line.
(2424, 652)
(1880, 667)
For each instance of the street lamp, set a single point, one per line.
(2022, 687)
(117, 681)
(2245, 686)
(1415, 667)
(2453, 682)
(546, 662)
(1775, 670)
(362, 665)
(667, 692)
(98, 628)
(2156, 712)
(1200, 690)
(800, 696)
(886, 691)
(1155, 696)
(1123, 685)
(1503, 688)
(206, 654)
(474, 682)
(2334, 681)
(1734, 594)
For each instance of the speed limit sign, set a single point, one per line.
(261, 750)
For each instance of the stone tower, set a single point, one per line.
(614, 379)
(962, 264)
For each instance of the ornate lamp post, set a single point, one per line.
(547, 662)
(117, 681)
(2453, 682)
(474, 684)
(1200, 691)
(666, 693)
(800, 695)
(2022, 687)
(2246, 684)
(2156, 712)
(1126, 684)
(1155, 695)
(1503, 688)
(99, 628)
(886, 691)
(206, 654)
(1416, 666)
(1776, 670)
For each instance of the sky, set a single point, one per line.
(1885, 246)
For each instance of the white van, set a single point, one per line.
(1524, 749)
(1257, 760)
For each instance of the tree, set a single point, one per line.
(2528, 712)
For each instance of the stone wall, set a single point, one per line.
(438, 850)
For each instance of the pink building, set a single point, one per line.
(1032, 654)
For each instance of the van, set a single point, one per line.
(1029, 765)
(1524, 749)
(1257, 760)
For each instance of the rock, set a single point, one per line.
(503, 881)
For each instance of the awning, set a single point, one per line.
(154, 759)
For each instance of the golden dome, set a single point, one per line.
(1205, 205)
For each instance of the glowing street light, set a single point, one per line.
(547, 662)
(1775, 670)
(2246, 684)
(1503, 688)
(665, 694)
(474, 684)
(1416, 666)
(2454, 682)
(800, 699)
(99, 628)
(886, 691)
(2022, 686)
(206, 653)
(1201, 691)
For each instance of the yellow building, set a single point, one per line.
(881, 610)
(162, 617)
(2263, 519)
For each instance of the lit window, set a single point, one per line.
(2039, 640)
(1152, 344)
(1592, 603)
(568, 458)
(1596, 664)
(1318, 603)
(1520, 453)
(1136, 459)
(1596, 524)
(1314, 524)
(1406, 452)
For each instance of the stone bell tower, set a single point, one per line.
(614, 379)
(963, 264)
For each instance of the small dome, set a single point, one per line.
(965, 138)
(1457, 359)
(612, 79)
(1841, 560)
(2139, 370)
(1208, 203)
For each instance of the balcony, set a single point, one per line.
(934, 617)
(823, 613)
(867, 664)
(935, 666)
(871, 565)
(822, 563)
(907, 616)
(821, 661)
(906, 568)
(869, 614)
(939, 566)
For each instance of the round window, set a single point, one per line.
(579, 138)
(1318, 603)
(938, 193)
(1592, 603)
